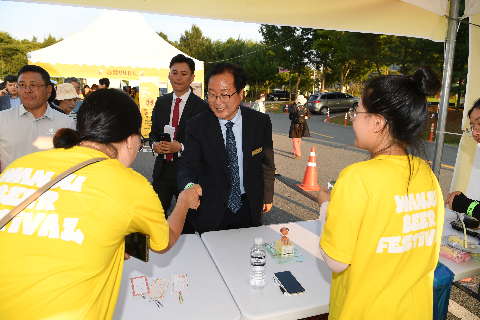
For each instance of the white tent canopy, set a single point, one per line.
(137, 46)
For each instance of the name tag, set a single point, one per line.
(254, 152)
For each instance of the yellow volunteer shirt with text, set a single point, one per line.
(389, 231)
(62, 257)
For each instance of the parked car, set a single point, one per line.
(280, 95)
(336, 101)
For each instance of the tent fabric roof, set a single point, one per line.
(374, 16)
(97, 45)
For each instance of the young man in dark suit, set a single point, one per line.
(173, 110)
(229, 152)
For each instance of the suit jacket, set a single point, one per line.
(5, 102)
(161, 117)
(204, 161)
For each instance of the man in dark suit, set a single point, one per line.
(172, 111)
(229, 152)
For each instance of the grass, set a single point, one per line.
(454, 124)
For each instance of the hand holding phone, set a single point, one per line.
(137, 245)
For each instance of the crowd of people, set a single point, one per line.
(216, 158)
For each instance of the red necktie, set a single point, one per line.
(176, 111)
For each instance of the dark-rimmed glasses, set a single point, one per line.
(32, 86)
(225, 98)
(352, 113)
(142, 142)
(470, 131)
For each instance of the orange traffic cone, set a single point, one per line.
(310, 179)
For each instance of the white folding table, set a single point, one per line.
(208, 296)
(464, 269)
(230, 249)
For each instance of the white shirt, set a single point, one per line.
(22, 134)
(181, 106)
(237, 132)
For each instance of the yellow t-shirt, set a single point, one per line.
(62, 258)
(389, 231)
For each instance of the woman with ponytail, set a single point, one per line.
(67, 258)
(381, 231)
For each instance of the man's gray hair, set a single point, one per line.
(71, 79)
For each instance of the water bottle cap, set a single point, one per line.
(258, 240)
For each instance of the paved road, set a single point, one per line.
(343, 135)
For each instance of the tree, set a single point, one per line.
(13, 52)
(293, 50)
(343, 56)
(195, 44)
(165, 37)
(258, 66)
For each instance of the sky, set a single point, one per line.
(26, 20)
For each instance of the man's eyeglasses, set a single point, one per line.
(352, 113)
(32, 86)
(225, 98)
(470, 131)
(144, 140)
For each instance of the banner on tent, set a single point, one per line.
(148, 96)
(84, 71)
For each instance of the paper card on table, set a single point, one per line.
(170, 130)
(302, 237)
(140, 286)
(158, 289)
(179, 283)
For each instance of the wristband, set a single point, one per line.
(471, 207)
(190, 184)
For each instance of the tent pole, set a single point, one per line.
(447, 80)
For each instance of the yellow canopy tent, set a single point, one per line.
(419, 18)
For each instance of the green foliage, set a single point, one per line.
(292, 49)
(195, 44)
(13, 52)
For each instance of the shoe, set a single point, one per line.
(297, 157)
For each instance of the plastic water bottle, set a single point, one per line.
(257, 260)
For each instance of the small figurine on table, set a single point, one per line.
(285, 240)
(284, 246)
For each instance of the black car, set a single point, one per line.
(280, 95)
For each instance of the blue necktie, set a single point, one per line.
(234, 200)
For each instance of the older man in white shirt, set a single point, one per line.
(30, 127)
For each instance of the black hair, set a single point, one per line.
(11, 78)
(180, 58)
(104, 82)
(71, 79)
(401, 100)
(34, 68)
(476, 105)
(106, 116)
(239, 75)
(53, 95)
(45, 78)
